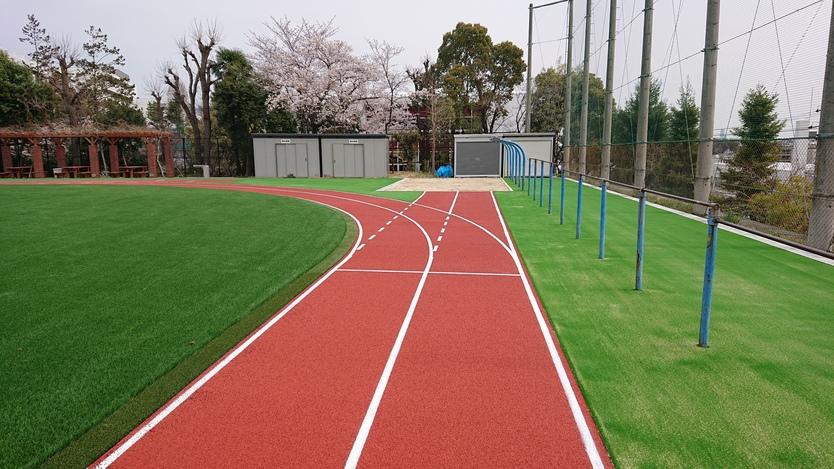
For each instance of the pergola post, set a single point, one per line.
(6, 152)
(92, 150)
(150, 145)
(60, 152)
(114, 154)
(37, 157)
(169, 157)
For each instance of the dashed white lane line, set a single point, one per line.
(359, 248)
(388, 223)
(442, 230)
(395, 217)
(381, 230)
(371, 237)
(445, 223)
(439, 238)
(417, 272)
(435, 248)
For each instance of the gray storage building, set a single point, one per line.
(482, 155)
(320, 155)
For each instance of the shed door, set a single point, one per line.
(291, 158)
(348, 160)
(478, 159)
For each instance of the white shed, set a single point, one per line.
(320, 155)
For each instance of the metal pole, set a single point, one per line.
(602, 210)
(605, 167)
(529, 70)
(535, 173)
(821, 227)
(709, 277)
(641, 228)
(579, 208)
(583, 116)
(645, 95)
(704, 166)
(562, 199)
(568, 73)
(550, 190)
(541, 186)
(528, 176)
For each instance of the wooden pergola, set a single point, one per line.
(150, 137)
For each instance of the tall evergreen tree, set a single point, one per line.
(23, 99)
(103, 84)
(751, 169)
(625, 119)
(675, 170)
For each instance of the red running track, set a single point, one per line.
(424, 347)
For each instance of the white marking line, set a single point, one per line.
(435, 248)
(185, 395)
(395, 217)
(439, 238)
(388, 223)
(442, 230)
(447, 218)
(582, 425)
(360, 247)
(371, 237)
(454, 201)
(370, 415)
(381, 230)
(387, 271)
(445, 222)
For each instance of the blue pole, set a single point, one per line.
(641, 228)
(535, 173)
(602, 210)
(562, 200)
(550, 190)
(709, 277)
(541, 187)
(579, 208)
(528, 176)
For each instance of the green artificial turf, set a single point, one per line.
(114, 298)
(762, 395)
(367, 186)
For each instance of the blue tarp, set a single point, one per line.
(444, 171)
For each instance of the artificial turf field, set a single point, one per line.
(107, 290)
(762, 395)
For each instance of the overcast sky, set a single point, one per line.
(146, 32)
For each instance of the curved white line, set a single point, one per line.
(182, 397)
(576, 410)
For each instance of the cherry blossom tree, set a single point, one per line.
(387, 111)
(325, 84)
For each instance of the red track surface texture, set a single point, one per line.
(424, 347)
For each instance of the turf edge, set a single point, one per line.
(89, 445)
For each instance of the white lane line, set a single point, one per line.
(388, 223)
(438, 272)
(370, 414)
(435, 248)
(185, 395)
(371, 237)
(395, 217)
(447, 218)
(439, 238)
(454, 201)
(381, 230)
(360, 247)
(445, 222)
(581, 424)
(442, 230)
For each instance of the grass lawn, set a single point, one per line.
(761, 395)
(114, 298)
(367, 186)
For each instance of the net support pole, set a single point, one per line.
(579, 208)
(709, 277)
(583, 113)
(568, 92)
(641, 229)
(644, 97)
(562, 198)
(541, 186)
(550, 190)
(535, 172)
(529, 69)
(605, 167)
(602, 211)
(704, 165)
